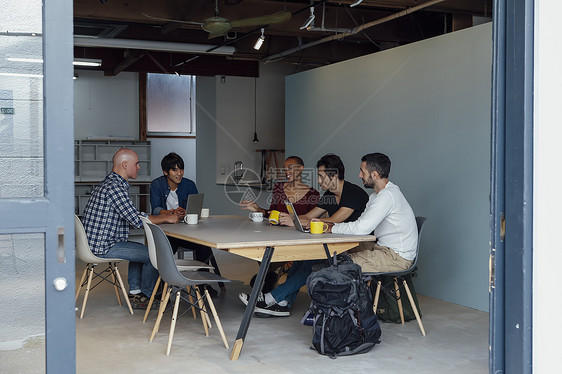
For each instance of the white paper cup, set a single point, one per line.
(191, 219)
(205, 213)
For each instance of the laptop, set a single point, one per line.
(295, 217)
(194, 203)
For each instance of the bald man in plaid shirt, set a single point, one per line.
(107, 217)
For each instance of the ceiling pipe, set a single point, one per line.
(354, 31)
(154, 46)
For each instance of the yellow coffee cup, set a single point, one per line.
(318, 227)
(274, 217)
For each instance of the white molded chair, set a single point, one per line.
(85, 254)
(183, 265)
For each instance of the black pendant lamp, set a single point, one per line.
(255, 112)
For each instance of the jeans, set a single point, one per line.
(142, 275)
(296, 278)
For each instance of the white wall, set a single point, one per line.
(106, 107)
(225, 129)
(427, 106)
(235, 117)
(547, 200)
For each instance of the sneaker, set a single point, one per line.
(264, 310)
(140, 301)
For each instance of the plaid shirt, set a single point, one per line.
(109, 213)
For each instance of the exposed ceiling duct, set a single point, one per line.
(154, 46)
(354, 31)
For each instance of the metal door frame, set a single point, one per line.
(512, 188)
(53, 214)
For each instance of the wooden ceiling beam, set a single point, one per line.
(131, 56)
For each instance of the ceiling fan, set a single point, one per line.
(218, 26)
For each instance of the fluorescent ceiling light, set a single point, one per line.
(86, 62)
(154, 46)
(76, 62)
(21, 75)
(18, 59)
(356, 3)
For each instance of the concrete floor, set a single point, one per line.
(109, 338)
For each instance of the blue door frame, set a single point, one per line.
(512, 188)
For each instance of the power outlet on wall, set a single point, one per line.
(223, 170)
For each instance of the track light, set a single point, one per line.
(310, 21)
(260, 40)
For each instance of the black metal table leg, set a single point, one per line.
(328, 253)
(251, 304)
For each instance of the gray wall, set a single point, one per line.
(427, 106)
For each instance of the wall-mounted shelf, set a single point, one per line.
(92, 158)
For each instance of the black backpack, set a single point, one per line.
(344, 322)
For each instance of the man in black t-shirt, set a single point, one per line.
(343, 202)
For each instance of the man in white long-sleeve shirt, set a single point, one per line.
(388, 215)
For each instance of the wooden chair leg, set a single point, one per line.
(163, 288)
(190, 298)
(81, 283)
(163, 302)
(154, 291)
(173, 324)
(123, 289)
(111, 270)
(167, 292)
(217, 320)
(207, 318)
(413, 304)
(399, 300)
(91, 271)
(202, 309)
(377, 295)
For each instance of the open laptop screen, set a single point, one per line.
(295, 217)
(194, 203)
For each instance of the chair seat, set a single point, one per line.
(197, 278)
(186, 265)
(101, 260)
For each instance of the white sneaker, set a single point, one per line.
(264, 310)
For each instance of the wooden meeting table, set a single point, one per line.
(260, 242)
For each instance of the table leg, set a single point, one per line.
(251, 304)
(328, 253)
